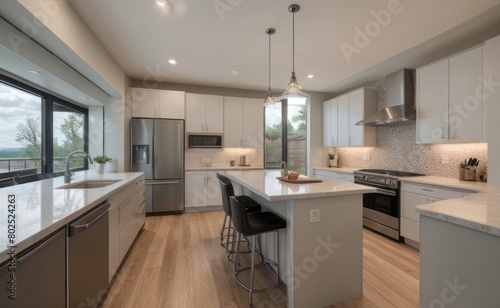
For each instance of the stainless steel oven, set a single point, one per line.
(381, 210)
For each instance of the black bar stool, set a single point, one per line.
(251, 206)
(253, 225)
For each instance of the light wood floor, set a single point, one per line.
(177, 261)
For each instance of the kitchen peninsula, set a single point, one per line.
(322, 247)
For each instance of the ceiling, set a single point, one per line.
(223, 42)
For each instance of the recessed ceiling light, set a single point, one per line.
(85, 97)
(33, 71)
(235, 73)
(165, 5)
(310, 76)
(160, 2)
(172, 61)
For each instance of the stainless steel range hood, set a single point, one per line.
(400, 100)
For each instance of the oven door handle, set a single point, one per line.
(386, 192)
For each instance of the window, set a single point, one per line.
(38, 131)
(21, 130)
(286, 134)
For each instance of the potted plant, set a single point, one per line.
(100, 162)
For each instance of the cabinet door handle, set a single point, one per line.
(426, 189)
(452, 133)
(202, 127)
(442, 130)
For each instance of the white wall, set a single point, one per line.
(55, 25)
(492, 107)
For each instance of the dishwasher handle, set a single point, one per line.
(90, 219)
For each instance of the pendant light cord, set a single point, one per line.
(293, 41)
(270, 62)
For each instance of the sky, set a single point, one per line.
(15, 107)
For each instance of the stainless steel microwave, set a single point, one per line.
(205, 140)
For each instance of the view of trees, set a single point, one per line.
(295, 125)
(30, 137)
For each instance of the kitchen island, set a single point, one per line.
(321, 259)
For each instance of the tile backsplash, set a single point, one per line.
(222, 157)
(397, 150)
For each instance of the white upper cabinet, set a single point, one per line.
(243, 122)
(343, 120)
(341, 114)
(233, 122)
(152, 103)
(449, 99)
(171, 105)
(145, 102)
(330, 131)
(253, 123)
(204, 113)
(362, 103)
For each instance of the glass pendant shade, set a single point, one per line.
(293, 89)
(269, 100)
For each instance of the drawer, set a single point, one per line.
(410, 229)
(346, 177)
(434, 191)
(409, 203)
(325, 174)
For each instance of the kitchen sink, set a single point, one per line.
(89, 184)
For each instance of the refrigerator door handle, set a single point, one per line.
(162, 182)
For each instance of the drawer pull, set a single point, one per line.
(426, 189)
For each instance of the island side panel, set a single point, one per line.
(328, 255)
(458, 266)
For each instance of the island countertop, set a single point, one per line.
(265, 184)
(42, 207)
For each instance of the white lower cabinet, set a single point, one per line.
(413, 195)
(202, 189)
(127, 216)
(114, 241)
(333, 175)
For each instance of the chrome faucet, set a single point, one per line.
(67, 172)
(284, 169)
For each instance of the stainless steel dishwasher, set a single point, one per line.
(88, 257)
(41, 275)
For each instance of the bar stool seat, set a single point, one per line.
(251, 206)
(253, 225)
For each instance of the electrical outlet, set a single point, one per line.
(445, 159)
(314, 215)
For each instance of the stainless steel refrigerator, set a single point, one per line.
(158, 151)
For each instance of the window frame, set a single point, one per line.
(47, 125)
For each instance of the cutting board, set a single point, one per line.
(299, 180)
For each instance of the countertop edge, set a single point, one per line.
(447, 183)
(225, 168)
(78, 176)
(339, 170)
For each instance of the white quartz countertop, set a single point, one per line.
(42, 208)
(447, 182)
(225, 168)
(479, 211)
(265, 184)
(334, 169)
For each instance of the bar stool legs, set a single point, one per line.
(255, 243)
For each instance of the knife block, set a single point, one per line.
(467, 173)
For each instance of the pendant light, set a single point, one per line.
(293, 89)
(269, 98)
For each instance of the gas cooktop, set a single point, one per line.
(389, 172)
